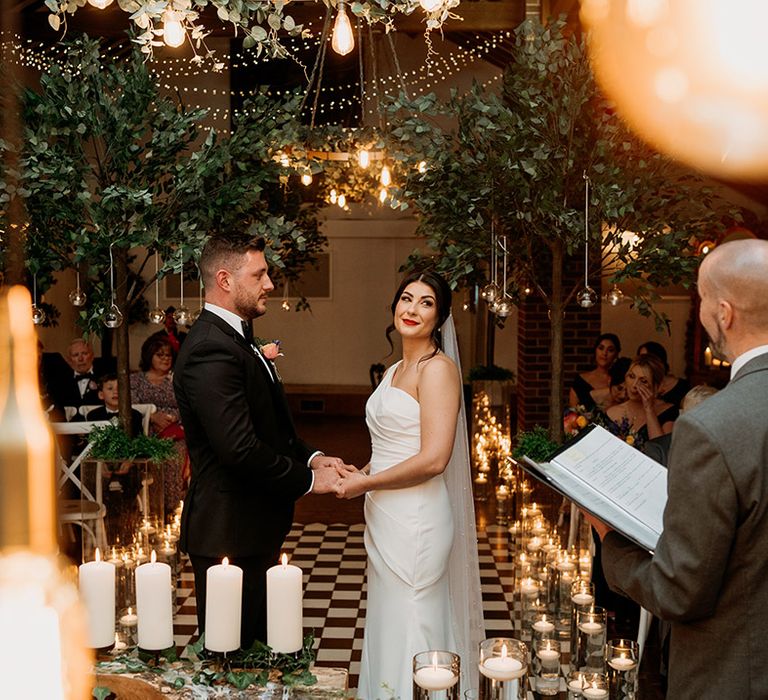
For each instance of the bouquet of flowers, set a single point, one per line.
(576, 419)
(624, 431)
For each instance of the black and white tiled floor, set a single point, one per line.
(332, 558)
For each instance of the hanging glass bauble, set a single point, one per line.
(112, 317)
(38, 315)
(77, 297)
(181, 316)
(503, 308)
(586, 298)
(286, 305)
(490, 292)
(615, 296)
(157, 316)
(193, 316)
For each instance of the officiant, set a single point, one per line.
(708, 576)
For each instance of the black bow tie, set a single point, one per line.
(247, 331)
(87, 375)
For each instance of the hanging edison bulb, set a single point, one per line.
(343, 41)
(173, 29)
(363, 158)
(112, 317)
(615, 296)
(342, 201)
(383, 195)
(42, 622)
(386, 176)
(306, 179)
(430, 5)
(100, 4)
(333, 197)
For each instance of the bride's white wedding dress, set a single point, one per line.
(408, 537)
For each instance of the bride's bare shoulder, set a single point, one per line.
(439, 367)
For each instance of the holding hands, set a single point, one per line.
(329, 473)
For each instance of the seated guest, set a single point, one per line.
(108, 393)
(76, 386)
(672, 389)
(584, 386)
(154, 384)
(643, 415)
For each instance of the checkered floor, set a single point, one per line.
(333, 560)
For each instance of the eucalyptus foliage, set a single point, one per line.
(515, 163)
(111, 168)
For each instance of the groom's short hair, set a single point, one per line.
(226, 251)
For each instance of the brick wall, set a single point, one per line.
(580, 330)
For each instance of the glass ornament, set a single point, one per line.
(77, 297)
(38, 315)
(586, 298)
(157, 316)
(181, 316)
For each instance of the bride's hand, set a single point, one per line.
(353, 484)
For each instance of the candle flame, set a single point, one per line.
(114, 552)
(284, 559)
(434, 660)
(503, 651)
(225, 561)
(98, 554)
(153, 558)
(130, 610)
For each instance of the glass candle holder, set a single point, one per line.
(503, 669)
(583, 685)
(546, 666)
(436, 676)
(621, 657)
(543, 627)
(582, 598)
(591, 625)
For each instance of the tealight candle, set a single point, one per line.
(543, 626)
(502, 668)
(582, 598)
(595, 693)
(129, 619)
(590, 627)
(622, 663)
(548, 654)
(435, 678)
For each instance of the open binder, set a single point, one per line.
(610, 479)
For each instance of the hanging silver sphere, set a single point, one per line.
(112, 318)
(503, 308)
(181, 316)
(193, 316)
(587, 297)
(157, 316)
(38, 315)
(615, 296)
(490, 292)
(77, 297)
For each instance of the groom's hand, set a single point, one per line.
(327, 480)
(321, 461)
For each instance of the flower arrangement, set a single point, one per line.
(576, 419)
(623, 430)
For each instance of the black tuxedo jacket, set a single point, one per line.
(248, 465)
(101, 413)
(63, 389)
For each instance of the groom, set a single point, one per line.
(248, 464)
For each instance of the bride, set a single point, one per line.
(420, 536)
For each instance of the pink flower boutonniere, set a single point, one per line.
(271, 351)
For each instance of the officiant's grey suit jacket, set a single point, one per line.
(709, 575)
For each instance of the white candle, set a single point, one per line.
(591, 627)
(595, 693)
(97, 590)
(223, 607)
(154, 605)
(543, 626)
(284, 609)
(548, 654)
(534, 544)
(582, 598)
(435, 678)
(129, 619)
(566, 565)
(528, 586)
(622, 663)
(502, 668)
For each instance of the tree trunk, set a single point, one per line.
(121, 338)
(556, 310)
(490, 338)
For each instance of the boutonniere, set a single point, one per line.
(271, 351)
(92, 386)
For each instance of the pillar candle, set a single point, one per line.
(223, 607)
(284, 611)
(154, 605)
(97, 590)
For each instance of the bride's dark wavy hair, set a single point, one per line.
(442, 302)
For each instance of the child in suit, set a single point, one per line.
(108, 393)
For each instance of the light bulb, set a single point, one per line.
(615, 296)
(112, 317)
(333, 197)
(364, 158)
(77, 297)
(430, 5)
(343, 40)
(100, 4)
(173, 30)
(38, 315)
(306, 179)
(422, 166)
(383, 195)
(386, 176)
(342, 201)
(586, 298)
(181, 316)
(157, 316)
